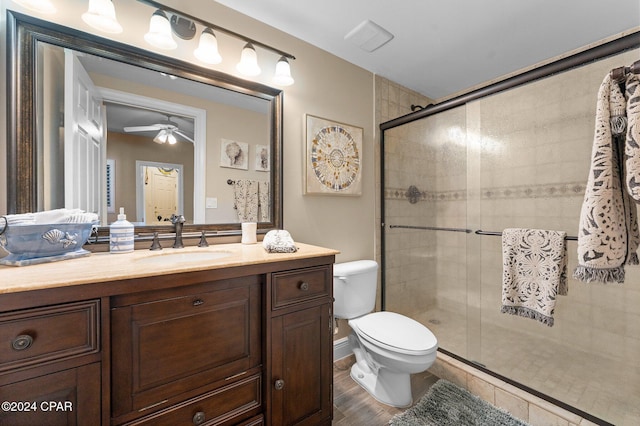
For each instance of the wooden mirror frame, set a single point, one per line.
(23, 34)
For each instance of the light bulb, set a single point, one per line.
(162, 136)
(207, 50)
(248, 64)
(102, 16)
(282, 76)
(159, 34)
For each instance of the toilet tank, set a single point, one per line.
(354, 288)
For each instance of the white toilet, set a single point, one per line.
(388, 346)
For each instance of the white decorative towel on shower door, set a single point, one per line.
(534, 272)
(608, 235)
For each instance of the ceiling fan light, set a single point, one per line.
(159, 34)
(102, 16)
(42, 6)
(207, 50)
(282, 76)
(248, 64)
(162, 136)
(171, 138)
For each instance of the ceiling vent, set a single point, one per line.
(369, 36)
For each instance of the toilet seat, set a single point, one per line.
(395, 332)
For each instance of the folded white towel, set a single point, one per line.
(534, 272)
(56, 215)
(20, 219)
(51, 216)
(279, 241)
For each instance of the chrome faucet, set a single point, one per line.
(178, 222)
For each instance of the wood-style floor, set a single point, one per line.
(353, 406)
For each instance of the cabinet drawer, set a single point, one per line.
(227, 405)
(300, 286)
(43, 335)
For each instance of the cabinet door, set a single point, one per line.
(70, 397)
(167, 347)
(302, 367)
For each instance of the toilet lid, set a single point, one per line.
(395, 331)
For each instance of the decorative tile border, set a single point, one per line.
(553, 190)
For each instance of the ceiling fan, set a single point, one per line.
(167, 130)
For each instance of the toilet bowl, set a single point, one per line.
(388, 347)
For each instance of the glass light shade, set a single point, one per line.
(207, 50)
(282, 76)
(248, 64)
(159, 34)
(42, 6)
(171, 138)
(102, 16)
(162, 136)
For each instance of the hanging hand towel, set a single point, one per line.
(245, 193)
(608, 234)
(263, 197)
(534, 272)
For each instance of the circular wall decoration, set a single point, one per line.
(335, 158)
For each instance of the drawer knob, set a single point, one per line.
(279, 384)
(199, 418)
(198, 302)
(304, 286)
(22, 342)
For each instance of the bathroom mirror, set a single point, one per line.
(209, 113)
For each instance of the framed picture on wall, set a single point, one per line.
(333, 157)
(262, 158)
(234, 154)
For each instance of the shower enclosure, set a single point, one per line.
(454, 176)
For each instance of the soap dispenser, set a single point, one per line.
(121, 234)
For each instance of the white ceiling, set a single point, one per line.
(443, 47)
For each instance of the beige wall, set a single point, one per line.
(326, 86)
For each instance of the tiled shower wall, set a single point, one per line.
(519, 158)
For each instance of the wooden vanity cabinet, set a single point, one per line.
(301, 338)
(246, 345)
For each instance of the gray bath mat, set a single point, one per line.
(447, 404)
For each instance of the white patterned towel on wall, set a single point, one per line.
(534, 272)
(245, 194)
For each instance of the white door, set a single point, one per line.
(160, 194)
(84, 139)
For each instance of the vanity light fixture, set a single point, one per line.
(159, 34)
(42, 6)
(248, 64)
(282, 76)
(207, 50)
(102, 16)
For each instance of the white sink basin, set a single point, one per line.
(183, 257)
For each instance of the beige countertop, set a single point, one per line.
(102, 267)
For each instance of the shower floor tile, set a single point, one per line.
(601, 386)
